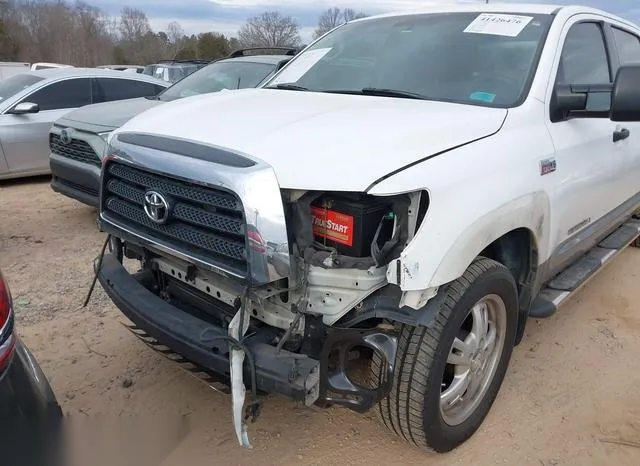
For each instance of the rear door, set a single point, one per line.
(627, 45)
(25, 138)
(110, 89)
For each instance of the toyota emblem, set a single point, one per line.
(156, 207)
(65, 138)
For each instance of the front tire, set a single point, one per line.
(449, 374)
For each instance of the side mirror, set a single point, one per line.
(625, 98)
(567, 101)
(25, 107)
(581, 100)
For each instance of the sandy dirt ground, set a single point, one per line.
(571, 396)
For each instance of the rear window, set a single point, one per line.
(15, 84)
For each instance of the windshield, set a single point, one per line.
(474, 58)
(16, 83)
(218, 76)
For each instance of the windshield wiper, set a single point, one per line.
(375, 91)
(288, 87)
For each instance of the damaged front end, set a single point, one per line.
(280, 291)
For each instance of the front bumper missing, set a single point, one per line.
(192, 337)
(296, 376)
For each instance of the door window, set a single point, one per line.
(109, 89)
(584, 58)
(628, 46)
(71, 93)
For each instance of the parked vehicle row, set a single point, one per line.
(8, 69)
(78, 139)
(31, 102)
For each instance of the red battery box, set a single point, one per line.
(349, 225)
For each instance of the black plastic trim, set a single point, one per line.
(187, 148)
(66, 173)
(59, 186)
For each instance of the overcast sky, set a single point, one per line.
(226, 16)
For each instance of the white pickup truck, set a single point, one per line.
(400, 198)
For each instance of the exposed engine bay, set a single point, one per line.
(341, 246)
(332, 308)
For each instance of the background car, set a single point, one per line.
(174, 70)
(46, 66)
(127, 68)
(31, 102)
(76, 165)
(10, 68)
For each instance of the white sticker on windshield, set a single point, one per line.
(499, 25)
(300, 65)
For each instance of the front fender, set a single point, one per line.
(530, 212)
(435, 257)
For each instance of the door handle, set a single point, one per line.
(621, 134)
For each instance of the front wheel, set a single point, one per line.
(449, 374)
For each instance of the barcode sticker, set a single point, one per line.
(499, 25)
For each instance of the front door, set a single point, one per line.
(588, 161)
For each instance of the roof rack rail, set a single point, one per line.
(242, 52)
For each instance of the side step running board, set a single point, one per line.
(568, 282)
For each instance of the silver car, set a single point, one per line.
(30, 102)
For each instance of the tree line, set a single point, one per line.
(83, 35)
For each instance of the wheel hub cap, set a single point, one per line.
(473, 359)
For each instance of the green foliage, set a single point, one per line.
(9, 50)
(212, 45)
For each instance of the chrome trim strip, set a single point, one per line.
(257, 187)
(114, 227)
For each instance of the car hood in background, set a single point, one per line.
(106, 116)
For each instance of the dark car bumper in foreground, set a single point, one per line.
(30, 417)
(25, 393)
(77, 180)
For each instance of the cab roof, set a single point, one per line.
(515, 8)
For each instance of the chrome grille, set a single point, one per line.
(77, 150)
(203, 222)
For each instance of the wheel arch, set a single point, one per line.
(515, 235)
(529, 213)
(518, 251)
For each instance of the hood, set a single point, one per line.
(322, 141)
(107, 116)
